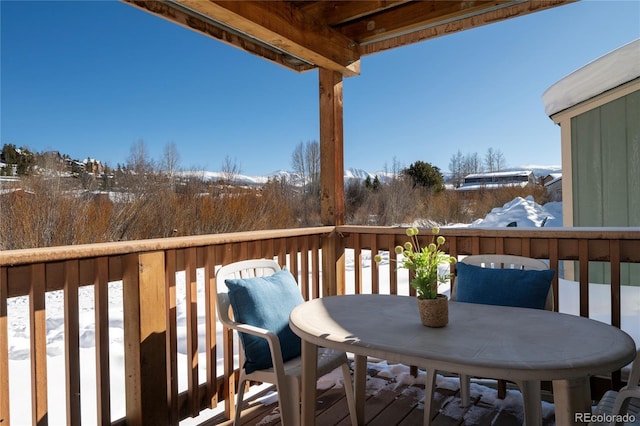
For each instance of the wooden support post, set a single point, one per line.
(145, 332)
(331, 148)
(331, 179)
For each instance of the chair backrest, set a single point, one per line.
(507, 261)
(242, 269)
(634, 374)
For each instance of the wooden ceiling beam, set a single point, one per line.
(461, 23)
(187, 20)
(283, 26)
(413, 16)
(340, 12)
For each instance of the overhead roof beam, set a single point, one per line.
(466, 18)
(192, 20)
(340, 12)
(285, 27)
(417, 15)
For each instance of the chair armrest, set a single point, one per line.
(625, 394)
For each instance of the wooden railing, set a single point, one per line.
(147, 270)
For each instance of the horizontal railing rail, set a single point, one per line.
(148, 272)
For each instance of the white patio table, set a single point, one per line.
(518, 344)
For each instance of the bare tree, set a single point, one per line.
(298, 162)
(489, 160)
(305, 161)
(170, 159)
(456, 168)
(312, 155)
(500, 161)
(472, 164)
(230, 170)
(139, 160)
(493, 160)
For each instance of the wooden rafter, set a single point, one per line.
(469, 19)
(333, 35)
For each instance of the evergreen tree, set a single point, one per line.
(425, 175)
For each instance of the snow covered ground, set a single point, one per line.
(524, 211)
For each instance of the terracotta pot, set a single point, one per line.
(434, 312)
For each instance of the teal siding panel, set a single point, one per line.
(605, 144)
(613, 143)
(631, 272)
(633, 156)
(587, 169)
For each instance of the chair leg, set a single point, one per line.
(289, 401)
(502, 389)
(465, 390)
(240, 397)
(348, 389)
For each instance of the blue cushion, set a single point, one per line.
(505, 287)
(265, 302)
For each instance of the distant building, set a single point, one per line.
(495, 180)
(553, 184)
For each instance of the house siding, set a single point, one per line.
(605, 146)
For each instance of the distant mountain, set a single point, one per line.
(538, 170)
(351, 173)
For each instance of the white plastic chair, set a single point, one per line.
(500, 261)
(625, 401)
(285, 375)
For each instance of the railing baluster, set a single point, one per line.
(191, 300)
(103, 374)
(5, 414)
(375, 269)
(72, 341)
(583, 258)
(357, 263)
(304, 268)
(554, 264)
(172, 334)
(315, 267)
(614, 253)
(614, 248)
(210, 292)
(393, 276)
(38, 338)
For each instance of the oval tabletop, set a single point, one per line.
(493, 341)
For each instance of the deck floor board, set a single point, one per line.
(392, 404)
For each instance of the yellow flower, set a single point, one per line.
(423, 261)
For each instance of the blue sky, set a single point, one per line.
(91, 78)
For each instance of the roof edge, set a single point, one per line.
(604, 73)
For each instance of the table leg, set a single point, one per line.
(359, 383)
(429, 388)
(532, 402)
(571, 397)
(309, 379)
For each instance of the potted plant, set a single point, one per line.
(424, 261)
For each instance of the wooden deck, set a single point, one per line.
(395, 398)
